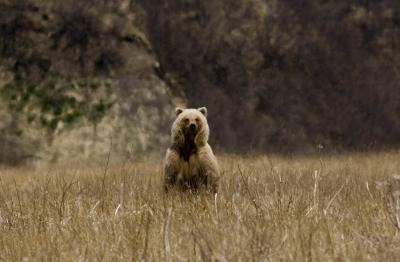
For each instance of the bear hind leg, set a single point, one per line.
(170, 177)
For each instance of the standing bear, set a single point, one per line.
(190, 162)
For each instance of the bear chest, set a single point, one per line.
(186, 151)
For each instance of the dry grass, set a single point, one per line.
(340, 208)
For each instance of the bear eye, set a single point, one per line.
(186, 120)
(197, 120)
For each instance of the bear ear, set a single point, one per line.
(203, 110)
(178, 111)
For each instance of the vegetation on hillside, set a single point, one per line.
(277, 76)
(76, 64)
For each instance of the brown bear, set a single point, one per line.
(190, 162)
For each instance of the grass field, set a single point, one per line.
(269, 208)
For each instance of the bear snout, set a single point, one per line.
(192, 127)
(191, 130)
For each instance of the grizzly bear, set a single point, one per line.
(190, 162)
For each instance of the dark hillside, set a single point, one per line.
(286, 75)
(277, 76)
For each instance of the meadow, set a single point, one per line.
(269, 208)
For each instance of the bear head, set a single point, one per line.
(190, 126)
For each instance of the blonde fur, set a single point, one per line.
(200, 167)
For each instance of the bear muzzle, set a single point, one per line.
(192, 127)
(191, 130)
